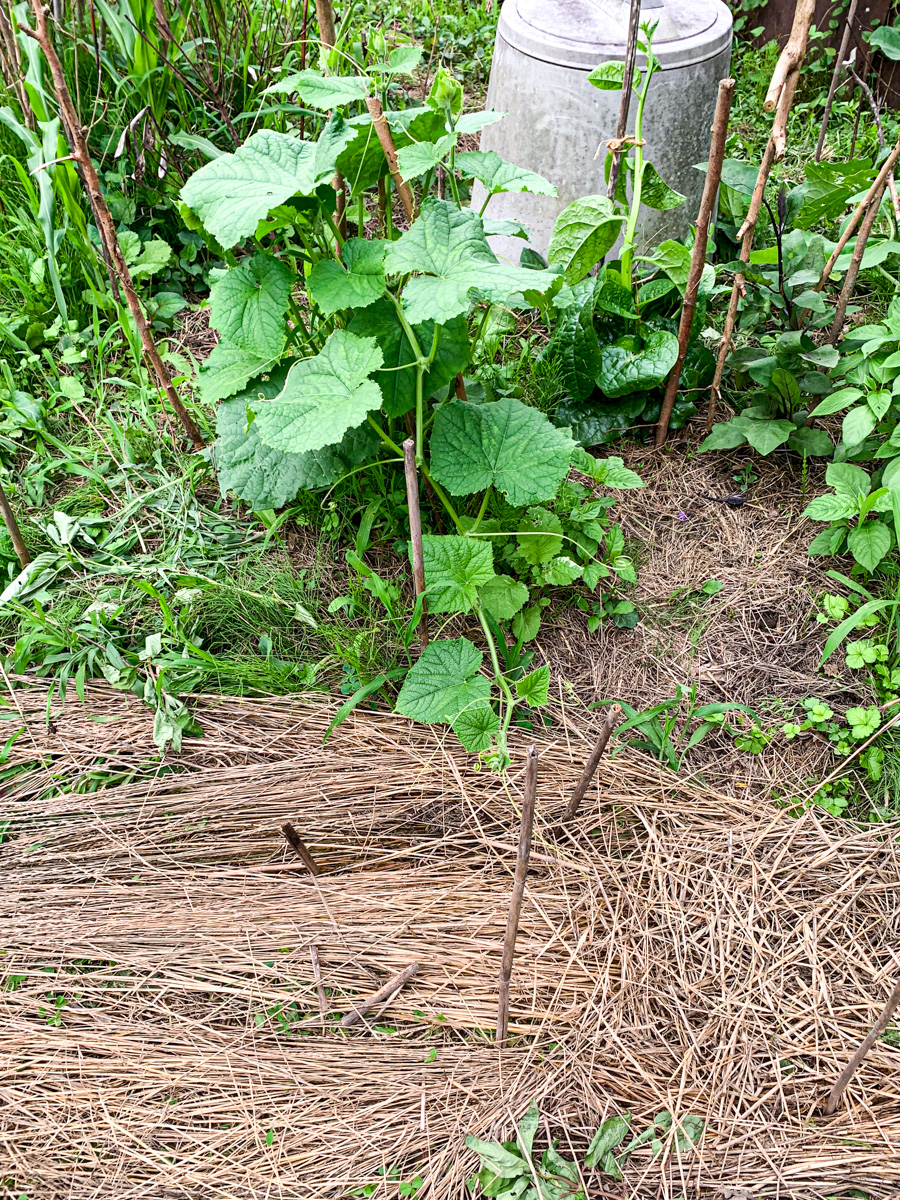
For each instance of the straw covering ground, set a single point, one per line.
(160, 1032)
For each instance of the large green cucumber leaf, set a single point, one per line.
(355, 284)
(443, 682)
(505, 444)
(498, 175)
(268, 478)
(247, 304)
(418, 158)
(623, 370)
(502, 597)
(577, 344)
(233, 193)
(398, 387)
(227, 369)
(323, 91)
(584, 232)
(323, 396)
(455, 568)
(448, 255)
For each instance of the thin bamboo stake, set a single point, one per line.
(415, 533)
(634, 22)
(382, 129)
(698, 253)
(593, 762)
(855, 263)
(877, 1030)
(835, 77)
(300, 847)
(792, 54)
(390, 988)
(518, 893)
(80, 154)
(320, 987)
(12, 528)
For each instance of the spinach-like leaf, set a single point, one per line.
(583, 234)
(624, 370)
(576, 340)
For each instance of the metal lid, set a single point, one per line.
(583, 33)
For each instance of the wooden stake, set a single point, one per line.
(390, 988)
(698, 253)
(634, 24)
(835, 77)
(879, 130)
(325, 17)
(774, 150)
(592, 763)
(855, 263)
(518, 893)
(320, 987)
(877, 188)
(12, 528)
(792, 55)
(300, 846)
(415, 533)
(877, 1030)
(386, 138)
(80, 154)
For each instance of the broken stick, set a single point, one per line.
(592, 763)
(698, 253)
(523, 854)
(300, 846)
(877, 1030)
(392, 986)
(320, 987)
(415, 533)
(792, 55)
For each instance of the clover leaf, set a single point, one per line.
(323, 396)
(506, 444)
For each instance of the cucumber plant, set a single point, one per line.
(332, 349)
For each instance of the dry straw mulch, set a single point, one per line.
(679, 949)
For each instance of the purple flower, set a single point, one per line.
(682, 516)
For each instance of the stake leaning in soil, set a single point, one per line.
(300, 847)
(836, 74)
(80, 155)
(698, 253)
(415, 533)
(518, 893)
(859, 250)
(386, 138)
(12, 528)
(385, 993)
(592, 763)
(877, 1030)
(634, 22)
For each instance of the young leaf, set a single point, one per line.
(235, 191)
(420, 157)
(869, 543)
(247, 304)
(474, 122)
(528, 1127)
(614, 474)
(611, 1133)
(398, 386)
(443, 682)
(475, 727)
(505, 444)
(623, 370)
(525, 624)
(656, 193)
(324, 92)
(357, 283)
(323, 396)
(497, 175)
(614, 297)
(534, 689)
(227, 370)
(858, 424)
(583, 234)
(403, 60)
(830, 507)
(540, 536)
(455, 568)
(502, 597)
(561, 571)
(609, 76)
